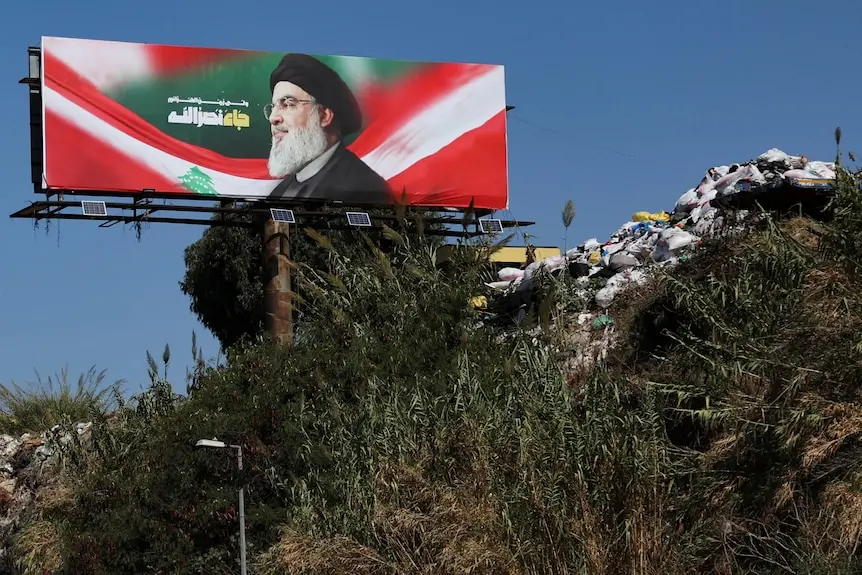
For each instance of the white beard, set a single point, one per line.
(296, 149)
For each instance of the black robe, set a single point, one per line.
(344, 178)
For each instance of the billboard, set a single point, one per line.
(124, 118)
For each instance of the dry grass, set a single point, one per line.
(424, 529)
(38, 548)
(805, 231)
(297, 554)
(56, 495)
(843, 501)
(438, 528)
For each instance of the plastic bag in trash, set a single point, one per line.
(550, 264)
(613, 248)
(708, 197)
(650, 217)
(500, 285)
(718, 172)
(821, 169)
(605, 296)
(818, 170)
(686, 201)
(602, 322)
(726, 184)
(675, 238)
(531, 270)
(772, 155)
(554, 263)
(591, 245)
(622, 261)
(509, 274)
(705, 186)
(576, 254)
(670, 241)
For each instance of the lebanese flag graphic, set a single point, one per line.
(436, 130)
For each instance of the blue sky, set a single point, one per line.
(621, 106)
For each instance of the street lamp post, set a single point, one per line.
(222, 445)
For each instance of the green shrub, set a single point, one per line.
(40, 406)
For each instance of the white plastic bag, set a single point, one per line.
(708, 197)
(509, 274)
(707, 185)
(591, 245)
(825, 170)
(675, 238)
(554, 263)
(576, 254)
(686, 201)
(725, 186)
(773, 155)
(500, 285)
(606, 295)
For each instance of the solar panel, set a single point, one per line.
(94, 208)
(491, 226)
(282, 215)
(360, 219)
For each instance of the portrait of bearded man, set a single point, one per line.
(312, 110)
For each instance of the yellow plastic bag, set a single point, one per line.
(648, 217)
(595, 258)
(479, 302)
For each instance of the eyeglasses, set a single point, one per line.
(286, 103)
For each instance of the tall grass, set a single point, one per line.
(40, 406)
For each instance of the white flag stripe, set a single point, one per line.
(466, 108)
(106, 64)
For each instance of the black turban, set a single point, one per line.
(324, 84)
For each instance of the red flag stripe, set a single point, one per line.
(102, 166)
(181, 59)
(413, 94)
(478, 160)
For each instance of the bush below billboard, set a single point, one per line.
(123, 117)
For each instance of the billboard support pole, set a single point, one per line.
(277, 293)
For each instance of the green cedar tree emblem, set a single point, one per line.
(197, 181)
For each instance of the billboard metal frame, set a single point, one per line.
(150, 206)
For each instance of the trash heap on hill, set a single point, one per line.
(652, 240)
(29, 465)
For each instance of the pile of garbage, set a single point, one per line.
(653, 240)
(28, 466)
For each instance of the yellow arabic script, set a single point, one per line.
(195, 116)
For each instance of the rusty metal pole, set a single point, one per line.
(277, 293)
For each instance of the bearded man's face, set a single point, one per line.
(298, 135)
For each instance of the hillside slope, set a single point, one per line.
(720, 433)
